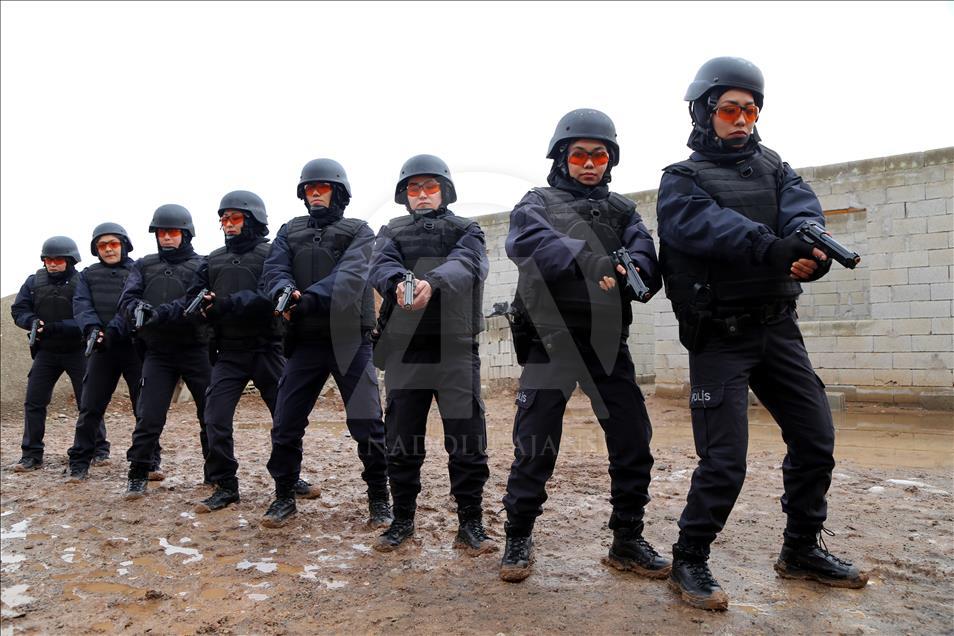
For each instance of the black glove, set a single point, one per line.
(594, 266)
(49, 328)
(111, 338)
(782, 253)
(156, 316)
(219, 307)
(307, 304)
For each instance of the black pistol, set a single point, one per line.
(816, 236)
(409, 285)
(633, 279)
(501, 309)
(195, 304)
(91, 341)
(282, 305)
(33, 328)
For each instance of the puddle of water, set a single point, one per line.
(904, 439)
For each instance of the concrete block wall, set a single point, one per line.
(881, 332)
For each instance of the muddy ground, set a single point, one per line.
(78, 559)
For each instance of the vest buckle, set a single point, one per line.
(746, 172)
(428, 224)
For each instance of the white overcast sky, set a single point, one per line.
(109, 110)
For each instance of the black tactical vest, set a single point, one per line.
(164, 282)
(750, 188)
(424, 243)
(600, 222)
(315, 251)
(229, 273)
(105, 287)
(53, 302)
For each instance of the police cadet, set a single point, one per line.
(97, 294)
(46, 301)
(247, 337)
(430, 346)
(732, 266)
(174, 346)
(323, 259)
(561, 238)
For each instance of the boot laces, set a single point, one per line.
(823, 548)
(397, 528)
(644, 544)
(701, 573)
(380, 508)
(475, 527)
(517, 546)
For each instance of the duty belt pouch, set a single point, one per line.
(379, 348)
(694, 328)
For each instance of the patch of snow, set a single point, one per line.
(265, 565)
(194, 554)
(360, 547)
(14, 596)
(876, 490)
(257, 597)
(16, 531)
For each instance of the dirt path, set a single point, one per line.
(78, 559)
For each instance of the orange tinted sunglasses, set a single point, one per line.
(54, 260)
(429, 187)
(235, 218)
(579, 157)
(729, 113)
(105, 245)
(320, 189)
(166, 231)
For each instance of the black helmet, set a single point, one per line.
(172, 216)
(726, 73)
(425, 164)
(246, 202)
(585, 123)
(109, 228)
(326, 170)
(60, 246)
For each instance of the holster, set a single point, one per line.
(521, 330)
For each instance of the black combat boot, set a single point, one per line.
(471, 537)
(400, 530)
(630, 552)
(304, 490)
(136, 488)
(517, 555)
(380, 510)
(77, 474)
(226, 492)
(690, 576)
(281, 510)
(26, 464)
(807, 557)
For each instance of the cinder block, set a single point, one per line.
(893, 377)
(890, 310)
(892, 344)
(930, 309)
(910, 226)
(889, 277)
(942, 343)
(935, 241)
(942, 325)
(936, 274)
(933, 377)
(940, 190)
(854, 344)
(905, 293)
(925, 175)
(912, 326)
(905, 193)
(928, 207)
(940, 258)
(909, 259)
(942, 223)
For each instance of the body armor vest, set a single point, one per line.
(229, 273)
(164, 282)
(750, 188)
(424, 243)
(315, 251)
(53, 302)
(105, 287)
(581, 303)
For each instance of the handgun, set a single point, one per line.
(633, 279)
(139, 314)
(195, 304)
(282, 305)
(33, 329)
(816, 236)
(409, 285)
(91, 341)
